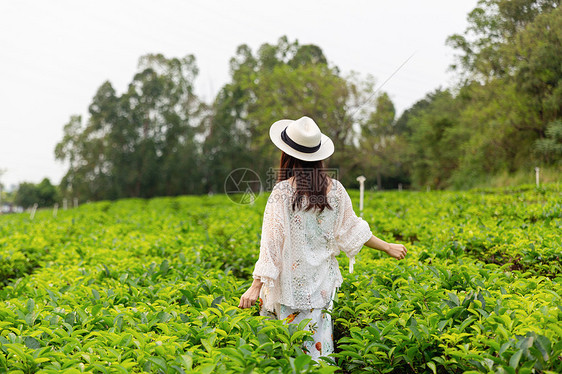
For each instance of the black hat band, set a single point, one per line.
(296, 146)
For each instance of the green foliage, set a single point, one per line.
(136, 144)
(26, 195)
(153, 285)
(137, 286)
(288, 80)
(435, 141)
(43, 194)
(494, 25)
(500, 117)
(386, 146)
(548, 175)
(159, 139)
(551, 146)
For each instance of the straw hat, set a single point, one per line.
(301, 139)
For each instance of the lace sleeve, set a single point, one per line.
(352, 232)
(268, 265)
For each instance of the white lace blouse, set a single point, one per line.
(297, 263)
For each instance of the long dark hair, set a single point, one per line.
(310, 179)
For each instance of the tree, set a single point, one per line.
(286, 80)
(551, 146)
(435, 140)
(26, 195)
(226, 141)
(536, 54)
(509, 93)
(47, 193)
(2, 171)
(141, 143)
(493, 26)
(381, 141)
(43, 194)
(74, 148)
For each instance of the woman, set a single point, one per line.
(308, 220)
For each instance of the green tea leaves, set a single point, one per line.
(133, 285)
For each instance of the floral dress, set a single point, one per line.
(297, 263)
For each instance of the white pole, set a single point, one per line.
(361, 179)
(33, 210)
(75, 202)
(55, 210)
(537, 176)
(399, 186)
(64, 204)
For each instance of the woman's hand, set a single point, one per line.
(398, 251)
(251, 295)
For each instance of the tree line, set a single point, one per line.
(159, 138)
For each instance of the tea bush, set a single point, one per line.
(153, 285)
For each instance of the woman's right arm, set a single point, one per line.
(250, 297)
(398, 251)
(267, 267)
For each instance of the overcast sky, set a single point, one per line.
(55, 54)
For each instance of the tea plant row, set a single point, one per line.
(152, 285)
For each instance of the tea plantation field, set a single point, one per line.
(153, 285)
